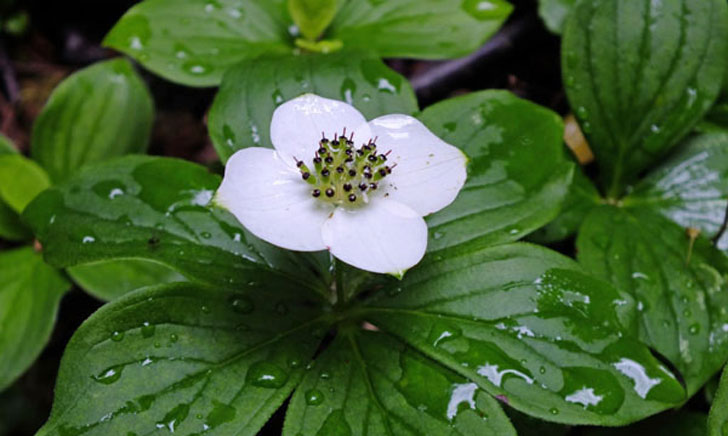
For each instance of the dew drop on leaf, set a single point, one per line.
(314, 397)
(266, 375)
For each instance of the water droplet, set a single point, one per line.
(294, 363)
(220, 414)
(655, 129)
(206, 235)
(205, 309)
(554, 411)
(393, 291)
(281, 308)
(88, 239)
(486, 9)
(197, 68)
(694, 329)
(335, 424)
(348, 89)
(314, 397)
(173, 338)
(147, 330)
(542, 370)
(277, 97)
(582, 112)
(117, 336)
(437, 235)
(243, 305)
(174, 418)
(109, 375)
(266, 375)
(324, 375)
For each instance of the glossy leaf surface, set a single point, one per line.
(241, 114)
(30, 292)
(691, 187)
(109, 280)
(11, 228)
(517, 173)
(640, 74)
(184, 359)
(368, 383)
(427, 29)
(158, 209)
(681, 423)
(312, 16)
(681, 292)
(195, 41)
(718, 418)
(97, 113)
(526, 324)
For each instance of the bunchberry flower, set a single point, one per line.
(338, 182)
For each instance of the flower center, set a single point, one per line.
(343, 174)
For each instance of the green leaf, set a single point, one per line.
(690, 188)
(100, 112)
(554, 13)
(185, 359)
(241, 114)
(6, 145)
(526, 324)
(11, 228)
(517, 174)
(194, 42)
(158, 209)
(583, 196)
(429, 29)
(21, 180)
(369, 383)
(640, 74)
(312, 16)
(718, 418)
(30, 292)
(109, 280)
(682, 291)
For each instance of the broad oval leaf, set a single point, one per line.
(110, 279)
(181, 358)
(691, 187)
(718, 418)
(368, 383)
(30, 292)
(100, 112)
(526, 324)
(680, 286)
(554, 13)
(158, 209)
(640, 74)
(21, 180)
(11, 227)
(252, 90)
(193, 42)
(429, 29)
(517, 174)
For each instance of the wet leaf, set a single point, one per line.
(680, 287)
(718, 418)
(527, 325)
(554, 13)
(639, 75)
(184, 359)
(428, 29)
(517, 174)
(98, 113)
(369, 383)
(691, 187)
(194, 42)
(241, 114)
(159, 209)
(111, 279)
(681, 423)
(30, 292)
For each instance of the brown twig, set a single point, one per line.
(722, 228)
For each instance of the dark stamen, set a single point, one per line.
(325, 172)
(368, 175)
(322, 150)
(372, 186)
(317, 160)
(347, 187)
(329, 160)
(306, 176)
(352, 198)
(363, 187)
(383, 157)
(352, 173)
(329, 192)
(316, 193)
(339, 170)
(372, 158)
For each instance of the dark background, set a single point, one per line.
(64, 36)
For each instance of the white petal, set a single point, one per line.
(270, 199)
(429, 172)
(382, 237)
(297, 124)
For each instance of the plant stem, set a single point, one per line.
(722, 229)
